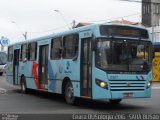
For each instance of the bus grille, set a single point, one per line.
(127, 85)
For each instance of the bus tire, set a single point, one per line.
(24, 89)
(69, 93)
(117, 101)
(1, 73)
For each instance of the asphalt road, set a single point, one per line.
(13, 101)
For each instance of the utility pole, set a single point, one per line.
(23, 34)
(74, 24)
(62, 18)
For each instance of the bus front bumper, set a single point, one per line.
(131, 94)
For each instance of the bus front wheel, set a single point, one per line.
(69, 93)
(117, 101)
(23, 85)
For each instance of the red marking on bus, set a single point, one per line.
(34, 73)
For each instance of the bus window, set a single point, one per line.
(32, 51)
(56, 48)
(103, 53)
(24, 52)
(70, 45)
(10, 54)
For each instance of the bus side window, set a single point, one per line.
(24, 52)
(70, 44)
(32, 51)
(56, 48)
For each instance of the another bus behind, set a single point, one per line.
(156, 62)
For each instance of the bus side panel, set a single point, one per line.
(55, 76)
(9, 72)
(26, 70)
(71, 69)
(58, 70)
(76, 88)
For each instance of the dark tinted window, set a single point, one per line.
(24, 52)
(56, 48)
(70, 46)
(109, 30)
(32, 51)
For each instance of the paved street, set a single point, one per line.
(12, 101)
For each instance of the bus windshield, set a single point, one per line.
(123, 55)
(3, 58)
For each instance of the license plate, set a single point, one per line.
(127, 94)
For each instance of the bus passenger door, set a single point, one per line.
(15, 66)
(86, 71)
(43, 67)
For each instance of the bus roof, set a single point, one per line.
(78, 29)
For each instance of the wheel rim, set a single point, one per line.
(69, 94)
(23, 86)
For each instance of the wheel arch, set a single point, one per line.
(21, 78)
(65, 81)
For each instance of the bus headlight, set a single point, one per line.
(149, 84)
(102, 84)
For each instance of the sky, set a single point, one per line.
(38, 18)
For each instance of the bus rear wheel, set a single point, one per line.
(117, 101)
(1, 73)
(24, 89)
(69, 94)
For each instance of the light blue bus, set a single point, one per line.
(98, 62)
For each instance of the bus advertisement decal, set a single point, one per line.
(34, 73)
(67, 68)
(140, 77)
(51, 77)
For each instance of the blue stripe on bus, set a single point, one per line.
(51, 76)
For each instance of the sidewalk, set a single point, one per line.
(155, 85)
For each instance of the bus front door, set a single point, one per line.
(86, 71)
(43, 67)
(15, 66)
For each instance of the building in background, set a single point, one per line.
(125, 22)
(151, 17)
(151, 13)
(114, 22)
(82, 24)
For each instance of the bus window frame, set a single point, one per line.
(52, 57)
(10, 55)
(26, 52)
(74, 47)
(111, 39)
(29, 51)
